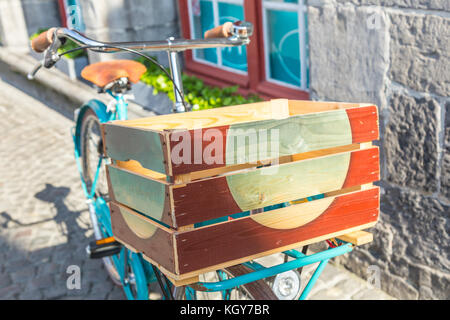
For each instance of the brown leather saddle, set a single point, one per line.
(103, 73)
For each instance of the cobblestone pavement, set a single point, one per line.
(44, 222)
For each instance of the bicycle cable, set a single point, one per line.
(151, 59)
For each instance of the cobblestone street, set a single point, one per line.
(44, 221)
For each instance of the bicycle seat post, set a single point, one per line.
(175, 70)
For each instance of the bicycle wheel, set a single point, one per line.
(256, 290)
(134, 280)
(131, 274)
(91, 147)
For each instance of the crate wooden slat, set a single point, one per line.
(166, 209)
(183, 254)
(205, 199)
(358, 237)
(300, 130)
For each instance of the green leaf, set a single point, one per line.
(198, 94)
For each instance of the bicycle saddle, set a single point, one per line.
(102, 73)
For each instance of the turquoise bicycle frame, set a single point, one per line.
(143, 270)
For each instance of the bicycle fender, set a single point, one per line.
(100, 110)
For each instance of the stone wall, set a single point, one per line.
(105, 20)
(130, 20)
(13, 33)
(396, 53)
(40, 14)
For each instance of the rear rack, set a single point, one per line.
(262, 272)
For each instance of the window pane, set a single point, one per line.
(283, 46)
(203, 20)
(235, 57)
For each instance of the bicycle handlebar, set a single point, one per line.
(227, 35)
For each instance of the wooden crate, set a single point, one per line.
(173, 176)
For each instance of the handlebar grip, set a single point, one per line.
(223, 31)
(43, 41)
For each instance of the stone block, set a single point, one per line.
(421, 223)
(5, 280)
(422, 226)
(398, 287)
(445, 166)
(410, 246)
(412, 4)
(143, 95)
(31, 295)
(343, 290)
(96, 13)
(12, 26)
(371, 294)
(348, 53)
(420, 52)
(147, 13)
(442, 282)
(161, 32)
(130, 14)
(143, 34)
(41, 14)
(10, 293)
(411, 142)
(23, 275)
(117, 294)
(41, 282)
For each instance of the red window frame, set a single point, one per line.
(255, 79)
(62, 13)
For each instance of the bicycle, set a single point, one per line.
(125, 267)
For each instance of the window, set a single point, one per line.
(275, 64)
(285, 42)
(205, 14)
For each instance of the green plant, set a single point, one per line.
(68, 45)
(199, 95)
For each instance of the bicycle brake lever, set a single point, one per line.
(51, 56)
(48, 62)
(31, 75)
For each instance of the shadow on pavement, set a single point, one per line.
(66, 219)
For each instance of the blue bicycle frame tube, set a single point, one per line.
(294, 254)
(313, 279)
(268, 272)
(121, 105)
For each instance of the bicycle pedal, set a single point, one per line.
(103, 248)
